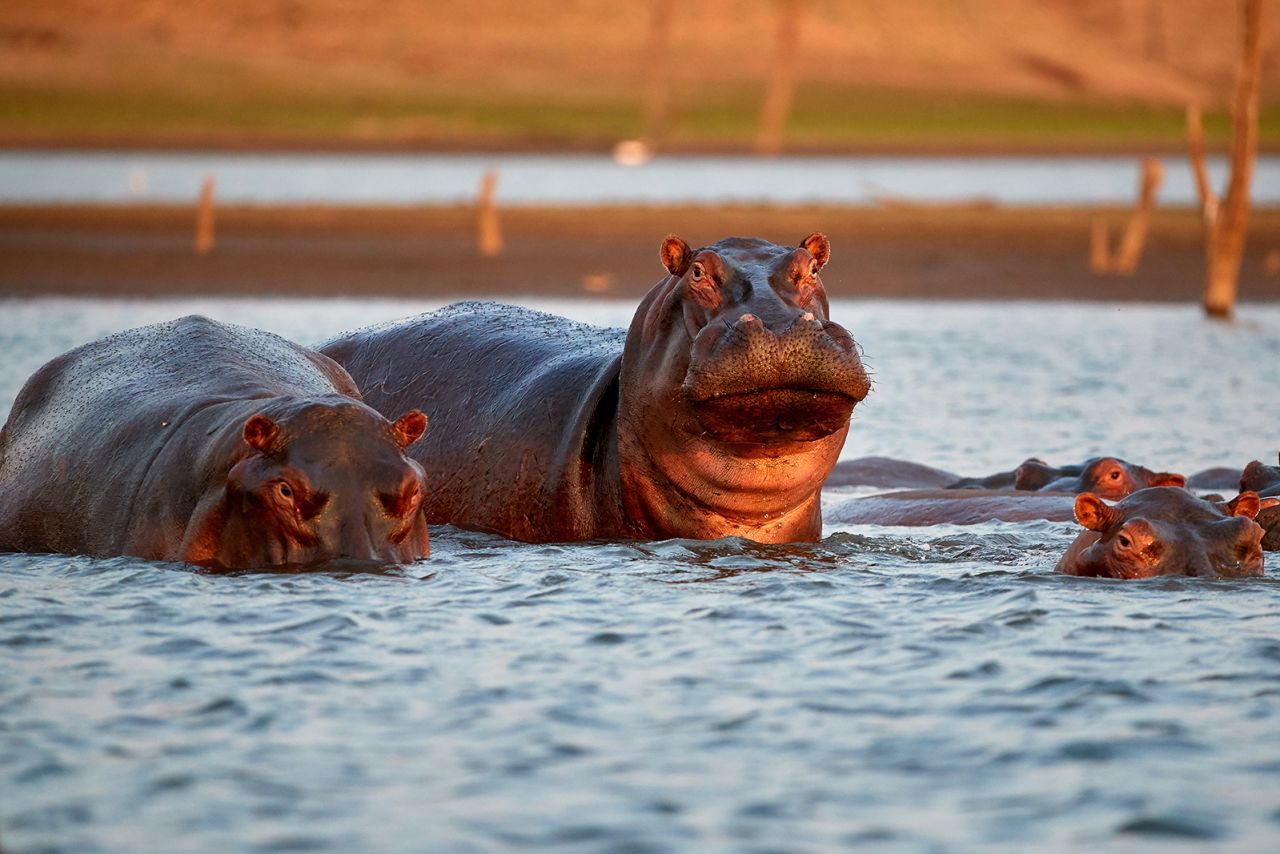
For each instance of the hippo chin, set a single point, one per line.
(718, 413)
(213, 444)
(1165, 531)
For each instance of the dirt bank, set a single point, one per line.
(900, 253)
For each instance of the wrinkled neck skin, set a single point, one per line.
(678, 480)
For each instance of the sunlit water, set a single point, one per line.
(896, 689)
(150, 177)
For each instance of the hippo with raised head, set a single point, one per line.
(718, 413)
(1165, 531)
(213, 444)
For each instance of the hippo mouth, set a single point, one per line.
(777, 414)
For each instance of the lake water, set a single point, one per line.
(385, 179)
(894, 689)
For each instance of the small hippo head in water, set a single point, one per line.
(1260, 478)
(1107, 477)
(738, 386)
(317, 481)
(1165, 531)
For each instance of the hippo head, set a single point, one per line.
(1165, 531)
(1107, 477)
(1261, 478)
(748, 344)
(732, 357)
(318, 481)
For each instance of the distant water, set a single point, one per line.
(885, 689)
(385, 179)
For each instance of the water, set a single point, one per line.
(381, 179)
(909, 690)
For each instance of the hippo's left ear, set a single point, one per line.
(409, 428)
(676, 255)
(819, 247)
(1168, 478)
(1092, 512)
(1245, 504)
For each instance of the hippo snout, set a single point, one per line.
(746, 356)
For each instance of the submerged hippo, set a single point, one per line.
(213, 444)
(1111, 477)
(924, 507)
(719, 412)
(1165, 531)
(1265, 480)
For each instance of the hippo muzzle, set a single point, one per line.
(748, 383)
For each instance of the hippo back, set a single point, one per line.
(96, 419)
(522, 407)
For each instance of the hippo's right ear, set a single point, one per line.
(1245, 504)
(819, 247)
(676, 255)
(409, 428)
(261, 433)
(1092, 512)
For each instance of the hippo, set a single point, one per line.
(719, 412)
(1265, 480)
(1165, 530)
(1111, 477)
(212, 444)
(925, 507)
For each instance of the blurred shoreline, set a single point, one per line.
(905, 252)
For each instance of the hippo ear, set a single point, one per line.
(676, 255)
(409, 428)
(1092, 512)
(819, 247)
(1245, 504)
(1168, 478)
(261, 433)
(1033, 475)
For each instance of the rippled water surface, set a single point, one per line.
(896, 689)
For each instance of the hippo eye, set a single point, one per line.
(813, 269)
(284, 491)
(1124, 541)
(696, 272)
(1115, 475)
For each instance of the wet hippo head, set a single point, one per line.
(731, 358)
(1107, 477)
(762, 363)
(321, 481)
(1165, 531)
(1260, 478)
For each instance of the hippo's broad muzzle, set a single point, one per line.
(748, 384)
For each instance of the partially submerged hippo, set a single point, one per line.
(1265, 480)
(1165, 531)
(924, 507)
(719, 412)
(213, 444)
(1111, 477)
